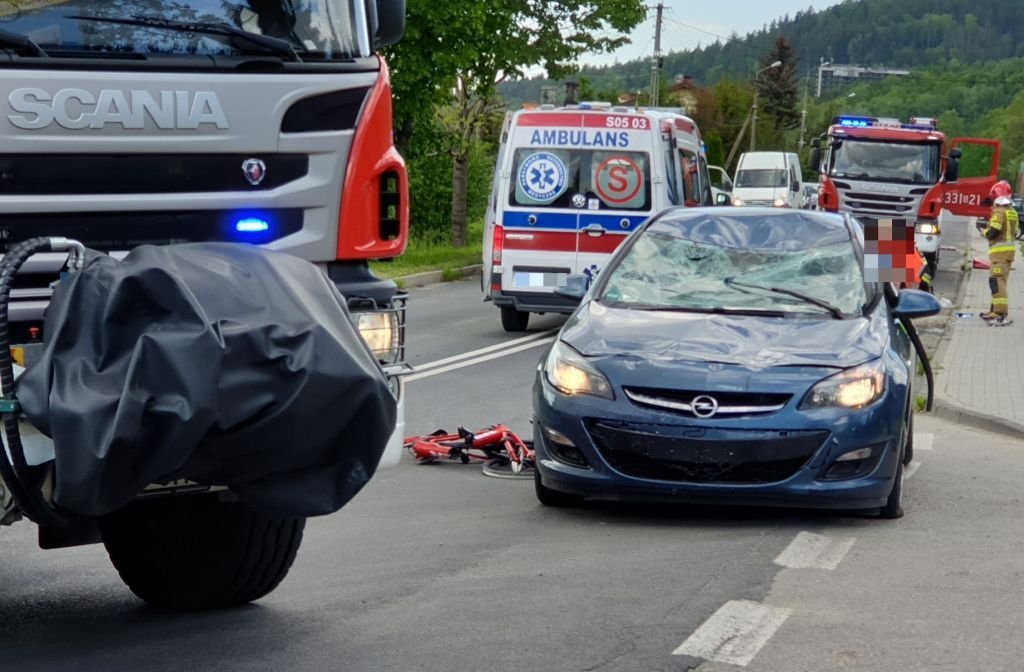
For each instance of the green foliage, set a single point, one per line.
(891, 33)
(446, 70)
(434, 254)
(430, 189)
(778, 86)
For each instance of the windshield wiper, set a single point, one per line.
(717, 310)
(274, 44)
(836, 312)
(19, 41)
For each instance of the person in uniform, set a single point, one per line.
(1001, 232)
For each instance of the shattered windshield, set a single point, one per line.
(886, 161)
(312, 27)
(664, 271)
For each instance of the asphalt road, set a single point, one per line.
(436, 567)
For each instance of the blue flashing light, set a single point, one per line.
(252, 225)
(854, 123)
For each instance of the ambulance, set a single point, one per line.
(570, 184)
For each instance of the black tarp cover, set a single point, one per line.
(220, 363)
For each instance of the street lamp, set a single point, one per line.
(753, 112)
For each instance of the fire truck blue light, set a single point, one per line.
(252, 225)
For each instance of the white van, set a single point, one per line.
(570, 185)
(768, 179)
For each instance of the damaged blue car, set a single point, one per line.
(733, 356)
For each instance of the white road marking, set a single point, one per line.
(911, 469)
(735, 633)
(478, 360)
(490, 348)
(815, 551)
(923, 440)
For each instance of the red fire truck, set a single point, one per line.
(884, 168)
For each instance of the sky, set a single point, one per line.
(721, 17)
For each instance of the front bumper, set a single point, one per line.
(927, 243)
(879, 426)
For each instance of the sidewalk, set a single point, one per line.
(980, 369)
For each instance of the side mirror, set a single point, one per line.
(723, 199)
(575, 287)
(390, 22)
(816, 143)
(815, 160)
(795, 187)
(956, 153)
(913, 304)
(952, 170)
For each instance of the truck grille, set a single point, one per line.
(75, 174)
(871, 204)
(696, 455)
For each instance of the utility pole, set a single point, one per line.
(656, 65)
(753, 116)
(736, 144)
(753, 110)
(821, 67)
(803, 115)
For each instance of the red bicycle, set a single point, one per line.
(501, 450)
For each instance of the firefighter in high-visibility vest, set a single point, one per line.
(1001, 232)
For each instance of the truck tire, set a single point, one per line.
(514, 320)
(197, 552)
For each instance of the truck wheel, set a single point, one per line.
(514, 320)
(197, 552)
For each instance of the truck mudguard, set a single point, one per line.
(218, 363)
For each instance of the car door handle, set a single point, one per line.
(594, 230)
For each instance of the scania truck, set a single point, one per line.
(884, 168)
(269, 122)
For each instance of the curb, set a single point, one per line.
(947, 408)
(436, 277)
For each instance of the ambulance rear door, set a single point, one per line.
(621, 185)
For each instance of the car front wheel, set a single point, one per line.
(549, 497)
(893, 508)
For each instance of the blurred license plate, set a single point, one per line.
(538, 279)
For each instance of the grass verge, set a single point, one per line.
(434, 254)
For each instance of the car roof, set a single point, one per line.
(768, 229)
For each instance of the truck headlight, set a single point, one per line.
(380, 331)
(781, 202)
(570, 373)
(928, 228)
(737, 201)
(855, 388)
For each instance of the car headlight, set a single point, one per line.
(781, 202)
(380, 331)
(855, 388)
(928, 228)
(570, 373)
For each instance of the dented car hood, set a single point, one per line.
(754, 342)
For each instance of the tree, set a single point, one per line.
(778, 86)
(468, 47)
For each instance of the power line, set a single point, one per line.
(742, 41)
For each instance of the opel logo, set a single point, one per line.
(255, 170)
(704, 406)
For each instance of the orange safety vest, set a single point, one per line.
(915, 264)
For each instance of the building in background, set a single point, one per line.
(832, 76)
